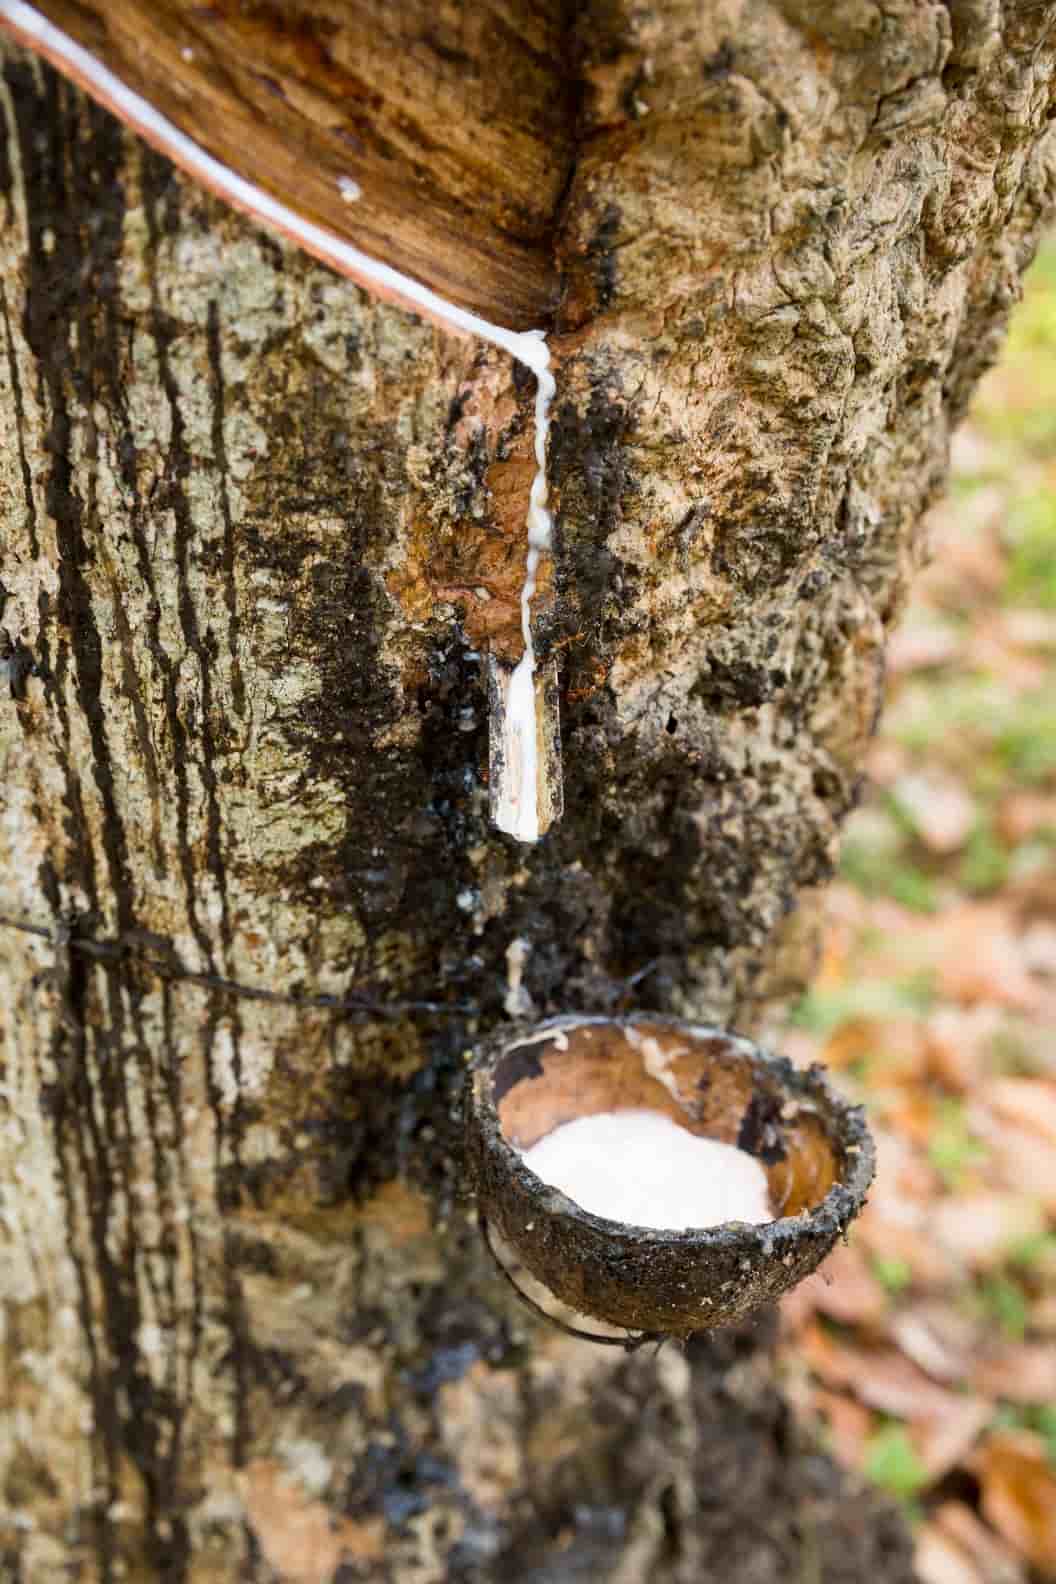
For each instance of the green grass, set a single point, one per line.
(927, 713)
(972, 715)
(1012, 1052)
(1038, 1249)
(1044, 1417)
(1027, 742)
(1018, 408)
(893, 1274)
(984, 865)
(1032, 535)
(1039, 1417)
(892, 1463)
(1005, 1304)
(877, 873)
(823, 1011)
(953, 1148)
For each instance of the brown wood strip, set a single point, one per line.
(435, 137)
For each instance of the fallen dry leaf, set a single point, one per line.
(958, 1186)
(1017, 1156)
(1019, 1494)
(1023, 814)
(959, 1042)
(1039, 949)
(921, 647)
(930, 1267)
(913, 1113)
(853, 1041)
(1023, 1372)
(944, 1441)
(800, 1046)
(850, 1426)
(835, 1362)
(995, 1561)
(942, 813)
(880, 1377)
(1033, 894)
(844, 1288)
(938, 1339)
(973, 563)
(903, 1047)
(980, 959)
(1043, 1315)
(957, 1064)
(980, 1228)
(796, 1308)
(1032, 629)
(970, 452)
(987, 650)
(903, 1179)
(885, 762)
(1029, 1102)
(939, 1560)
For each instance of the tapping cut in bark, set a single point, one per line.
(526, 795)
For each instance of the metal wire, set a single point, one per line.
(630, 1343)
(358, 1003)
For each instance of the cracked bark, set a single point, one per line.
(248, 516)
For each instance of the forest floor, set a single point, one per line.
(926, 1351)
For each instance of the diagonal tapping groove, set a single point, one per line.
(525, 734)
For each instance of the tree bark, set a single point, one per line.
(257, 531)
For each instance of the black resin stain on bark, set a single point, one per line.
(20, 423)
(761, 1133)
(603, 256)
(157, 176)
(61, 260)
(74, 327)
(767, 1505)
(521, 1064)
(216, 370)
(588, 466)
(161, 194)
(411, 813)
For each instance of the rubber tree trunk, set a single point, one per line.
(257, 532)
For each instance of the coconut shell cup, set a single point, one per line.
(815, 1149)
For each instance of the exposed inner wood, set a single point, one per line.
(438, 140)
(704, 1085)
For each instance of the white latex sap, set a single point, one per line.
(641, 1168)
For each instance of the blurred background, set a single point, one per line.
(926, 1351)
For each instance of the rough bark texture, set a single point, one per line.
(250, 523)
